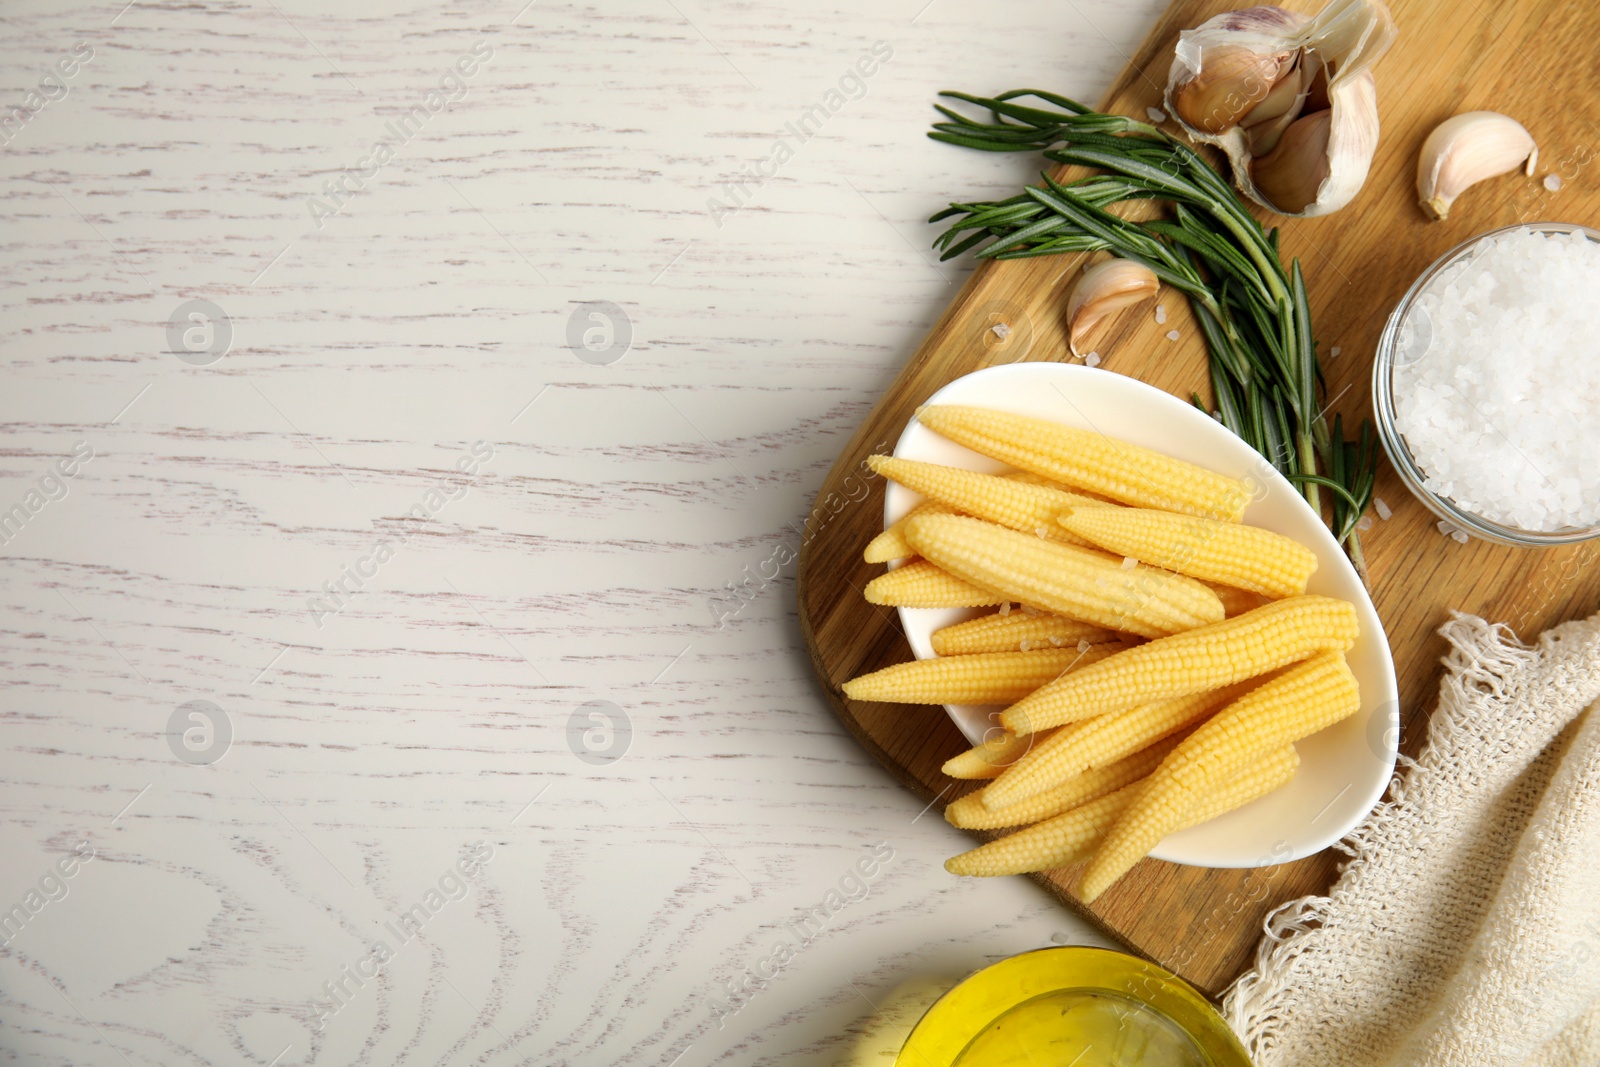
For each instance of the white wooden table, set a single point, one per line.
(411, 651)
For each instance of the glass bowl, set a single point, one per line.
(1089, 1007)
(1394, 442)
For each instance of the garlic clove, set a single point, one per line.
(1104, 288)
(1322, 68)
(1285, 96)
(1466, 149)
(1352, 142)
(1280, 109)
(1227, 85)
(1291, 175)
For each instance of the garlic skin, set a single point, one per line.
(1466, 149)
(1105, 288)
(1251, 79)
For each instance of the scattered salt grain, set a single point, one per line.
(1172, 335)
(1005, 608)
(1000, 330)
(1365, 524)
(1084, 646)
(1156, 114)
(1022, 646)
(1092, 359)
(1055, 642)
(1161, 314)
(1445, 528)
(1459, 537)
(1495, 388)
(1333, 353)
(1042, 531)
(1128, 563)
(1552, 182)
(1381, 506)
(1030, 611)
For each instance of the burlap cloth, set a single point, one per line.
(1465, 928)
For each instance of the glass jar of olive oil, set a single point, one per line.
(1072, 1007)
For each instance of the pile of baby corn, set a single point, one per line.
(1162, 659)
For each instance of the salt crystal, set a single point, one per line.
(1365, 524)
(1333, 353)
(1042, 531)
(1000, 330)
(1161, 314)
(1552, 182)
(1084, 646)
(1128, 563)
(1381, 507)
(1494, 390)
(1055, 642)
(1092, 359)
(1022, 646)
(1005, 608)
(1030, 611)
(1156, 114)
(1459, 536)
(1172, 335)
(1445, 528)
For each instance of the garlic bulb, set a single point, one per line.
(1466, 149)
(1104, 288)
(1289, 98)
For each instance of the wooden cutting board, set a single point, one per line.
(1519, 58)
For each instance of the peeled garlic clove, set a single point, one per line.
(1322, 66)
(1104, 288)
(1467, 149)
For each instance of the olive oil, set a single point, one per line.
(1072, 1007)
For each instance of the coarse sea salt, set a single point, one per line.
(1496, 380)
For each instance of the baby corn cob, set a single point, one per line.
(969, 812)
(983, 678)
(891, 544)
(920, 584)
(1017, 631)
(993, 756)
(1272, 636)
(1095, 742)
(1228, 552)
(1055, 842)
(1074, 582)
(1235, 601)
(1310, 697)
(1069, 837)
(1091, 461)
(1013, 504)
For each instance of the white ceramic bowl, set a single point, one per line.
(1344, 769)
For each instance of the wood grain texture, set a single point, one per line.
(1449, 58)
(372, 747)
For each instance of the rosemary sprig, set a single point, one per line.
(1252, 312)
